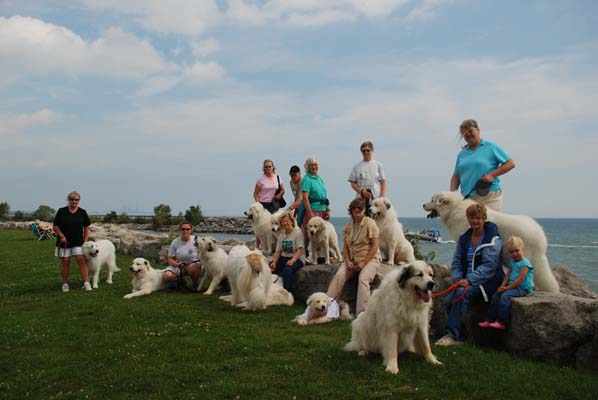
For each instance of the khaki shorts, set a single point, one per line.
(69, 251)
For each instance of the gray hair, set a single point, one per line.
(310, 160)
(73, 193)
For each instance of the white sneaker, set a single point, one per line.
(65, 287)
(447, 340)
(87, 286)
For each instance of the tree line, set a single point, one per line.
(162, 216)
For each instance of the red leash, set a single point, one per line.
(451, 288)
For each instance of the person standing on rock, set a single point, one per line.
(360, 253)
(367, 177)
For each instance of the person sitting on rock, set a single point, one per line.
(518, 282)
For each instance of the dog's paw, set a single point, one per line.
(109, 281)
(302, 322)
(392, 369)
(433, 360)
(362, 353)
(95, 286)
(127, 296)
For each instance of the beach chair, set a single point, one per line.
(40, 235)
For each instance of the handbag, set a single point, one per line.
(278, 204)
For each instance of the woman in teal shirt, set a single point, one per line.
(315, 197)
(480, 161)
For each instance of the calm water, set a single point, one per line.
(571, 242)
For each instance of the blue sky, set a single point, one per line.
(141, 102)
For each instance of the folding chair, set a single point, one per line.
(40, 235)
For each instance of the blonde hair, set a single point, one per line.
(467, 125)
(271, 162)
(73, 193)
(289, 217)
(515, 242)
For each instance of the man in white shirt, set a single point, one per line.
(367, 176)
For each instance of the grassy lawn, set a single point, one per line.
(182, 345)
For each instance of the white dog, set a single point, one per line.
(145, 278)
(277, 295)
(393, 245)
(98, 254)
(249, 277)
(397, 316)
(323, 241)
(261, 219)
(213, 261)
(275, 224)
(322, 309)
(451, 206)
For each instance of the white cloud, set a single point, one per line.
(32, 46)
(205, 47)
(205, 71)
(11, 124)
(427, 9)
(173, 16)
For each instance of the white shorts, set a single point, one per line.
(69, 251)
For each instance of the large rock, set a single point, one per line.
(554, 327)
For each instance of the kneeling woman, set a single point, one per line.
(476, 268)
(289, 255)
(182, 257)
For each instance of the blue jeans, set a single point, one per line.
(286, 271)
(500, 308)
(456, 312)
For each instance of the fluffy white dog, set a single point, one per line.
(249, 277)
(394, 246)
(277, 295)
(322, 309)
(397, 316)
(275, 224)
(98, 254)
(323, 241)
(213, 261)
(261, 220)
(451, 206)
(145, 278)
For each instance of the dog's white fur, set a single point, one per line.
(261, 220)
(98, 254)
(318, 304)
(145, 278)
(213, 261)
(249, 277)
(275, 223)
(323, 241)
(397, 317)
(396, 249)
(277, 295)
(451, 206)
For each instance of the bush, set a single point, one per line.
(194, 215)
(19, 216)
(161, 216)
(44, 213)
(418, 254)
(140, 220)
(110, 218)
(123, 218)
(4, 209)
(178, 219)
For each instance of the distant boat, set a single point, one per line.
(429, 235)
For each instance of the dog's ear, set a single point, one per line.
(210, 246)
(255, 261)
(407, 272)
(310, 299)
(146, 262)
(387, 204)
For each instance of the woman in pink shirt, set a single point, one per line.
(266, 186)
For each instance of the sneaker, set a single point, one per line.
(484, 324)
(65, 287)
(447, 340)
(87, 286)
(497, 325)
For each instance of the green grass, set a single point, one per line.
(182, 345)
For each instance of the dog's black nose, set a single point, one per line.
(431, 285)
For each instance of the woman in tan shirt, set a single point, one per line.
(360, 253)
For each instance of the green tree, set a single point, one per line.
(4, 209)
(140, 220)
(161, 216)
(123, 218)
(44, 213)
(110, 218)
(18, 216)
(418, 254)
(178, 219)
(194, 215)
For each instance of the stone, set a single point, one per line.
(571, 284)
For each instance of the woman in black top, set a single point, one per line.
(71, 225)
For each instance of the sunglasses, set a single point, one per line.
(366, 150)
(357, 208)
(185, 229)
(73, 199)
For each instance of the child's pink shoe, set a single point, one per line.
(484, 324)
(497, 325)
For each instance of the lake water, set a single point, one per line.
(571, 242)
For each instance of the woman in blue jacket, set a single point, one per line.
(476, 268)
